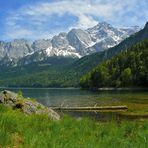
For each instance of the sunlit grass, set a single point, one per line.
(19, 130)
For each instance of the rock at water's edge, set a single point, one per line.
(27, 106)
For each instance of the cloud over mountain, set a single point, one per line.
(44, 19)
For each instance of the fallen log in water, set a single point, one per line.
(94, 108)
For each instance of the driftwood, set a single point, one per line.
(94, 108)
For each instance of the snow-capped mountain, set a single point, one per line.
(75, 43)
(105, 36)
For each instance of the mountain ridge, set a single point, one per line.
(69, 75)
(75, 43)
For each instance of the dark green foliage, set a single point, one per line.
(128, 69)
(49, 73)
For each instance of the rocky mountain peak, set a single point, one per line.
(41, 44)
(75, 43)
(103, 25)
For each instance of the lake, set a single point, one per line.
(76, 97)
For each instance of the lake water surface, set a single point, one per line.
(77, 97)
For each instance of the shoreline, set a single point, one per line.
(78, 88)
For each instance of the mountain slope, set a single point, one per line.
(79, 43)
(71, 73)
(75, 43)
(88, 62)
(127, 69)
(47, 73)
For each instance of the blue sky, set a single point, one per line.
(37, 19)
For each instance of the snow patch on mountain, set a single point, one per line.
(66, 52)
(75, 43)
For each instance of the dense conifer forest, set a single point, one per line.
(128, 69)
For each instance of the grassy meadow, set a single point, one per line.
(19, 130)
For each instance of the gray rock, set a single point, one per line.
(80, 40)
(41, 44)
(8, 95)
(60, 41)
(1, 99)
(19, 48)
(27, 106)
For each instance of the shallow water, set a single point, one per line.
(76, 97)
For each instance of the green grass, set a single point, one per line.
(19, 130)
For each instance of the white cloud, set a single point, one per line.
(86, 21)
(32, 21)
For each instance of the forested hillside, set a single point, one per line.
(65, 73)
(49, 73)
(128, 69)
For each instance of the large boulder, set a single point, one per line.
(27, 106)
